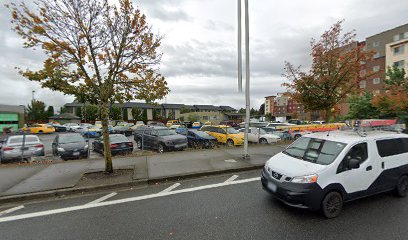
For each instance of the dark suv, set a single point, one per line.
(159, 138)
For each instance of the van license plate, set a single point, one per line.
(272, 187)
(76, 154)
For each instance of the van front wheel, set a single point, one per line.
(332, 205)
(402, 186)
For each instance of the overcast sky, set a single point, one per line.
(200, 45)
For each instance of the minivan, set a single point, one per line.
(323, 170)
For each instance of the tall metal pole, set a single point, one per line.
(247, 95)
(239, 47)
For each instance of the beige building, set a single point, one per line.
(396, 53)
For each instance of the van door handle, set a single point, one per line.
(369, 168)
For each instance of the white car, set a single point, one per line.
(71, 126)
(323, 170)
(259, 135)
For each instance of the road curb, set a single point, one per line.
(90, 189)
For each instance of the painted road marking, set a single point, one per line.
(11, 210)
(230, 160)
(170, 188)
(101, 199)
(232, 178)
(125, 200)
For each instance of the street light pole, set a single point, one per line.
(239, 47)
(247, 75)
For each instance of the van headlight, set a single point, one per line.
(60, 149)
(305, 179)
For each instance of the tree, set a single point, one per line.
(242, 110)
(185, 110)
(115, 113)
(50, 111)
(63, 110)
(137, 114)
(78, 112)
(253, 112)
(144, 116)
(334, 74)
(125, 114)
(361, 107)
(269, 117)
(99, 52)
(91, 112)
(262, 109)
(394, 102)
(36, 111)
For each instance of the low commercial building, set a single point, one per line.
(65, 118)
(11, 116)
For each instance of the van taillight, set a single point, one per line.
(130, 144)
(39, 146)
(8, 148)
(114, 145)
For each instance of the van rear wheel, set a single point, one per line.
(402, 186)
(332, 205)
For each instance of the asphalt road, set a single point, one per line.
(198, 209)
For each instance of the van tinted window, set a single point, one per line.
(391, 147)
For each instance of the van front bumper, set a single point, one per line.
(300, 195)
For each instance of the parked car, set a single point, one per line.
(159, 138)
(71, 126)
(119, 144)
(196, 125)
(200, 139)
(296, 122)
(41, 128)
(297, 134)
(230, 123)
(180, 129)
(225, 134)
(284, 135)
(68, 146)
(188, 124)
(125, 130)
(58, 127)
(259, 135)
(155, 123)
(138, 124)
(171, 122)
(83, 127)
(12, 147)
(317, 122)
(323, 171)
(92, 132)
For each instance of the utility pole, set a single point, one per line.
(239, 47)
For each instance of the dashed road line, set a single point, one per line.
(11, 210)
(232, 178)
(101, 199)
(125, 200)
(170, 188)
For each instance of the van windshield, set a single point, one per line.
(315, 150)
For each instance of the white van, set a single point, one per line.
(324, 170)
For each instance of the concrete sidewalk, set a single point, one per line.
(23, 180)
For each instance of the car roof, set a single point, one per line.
(352, 137)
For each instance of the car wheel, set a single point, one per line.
(139, 143)
(332, 205)
(230, 143)
(40, 131)
(160, 148)
(402, 186)
(263, 141)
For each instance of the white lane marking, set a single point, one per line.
(230, 160)
(125, 200)
(170, 188)
(232, 178)
(11, 210)
(101, 199)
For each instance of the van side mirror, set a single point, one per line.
(353, 163)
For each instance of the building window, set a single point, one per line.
(363, 84)
(376, 68)
(400, 36)
(376, 81)
(399, 64)
(399, 50)
(376, 44)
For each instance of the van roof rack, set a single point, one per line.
(369, 125)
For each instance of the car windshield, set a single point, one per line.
(231, 130)
(165, 132)
(202, 134)
(315, 150)
(71, 138)
(262, 131)
(19, 139)
(118, 138)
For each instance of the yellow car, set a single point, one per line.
(225, 134)
(41, 128)
(172, 122)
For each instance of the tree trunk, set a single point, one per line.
(328, 114)
(106, 142)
